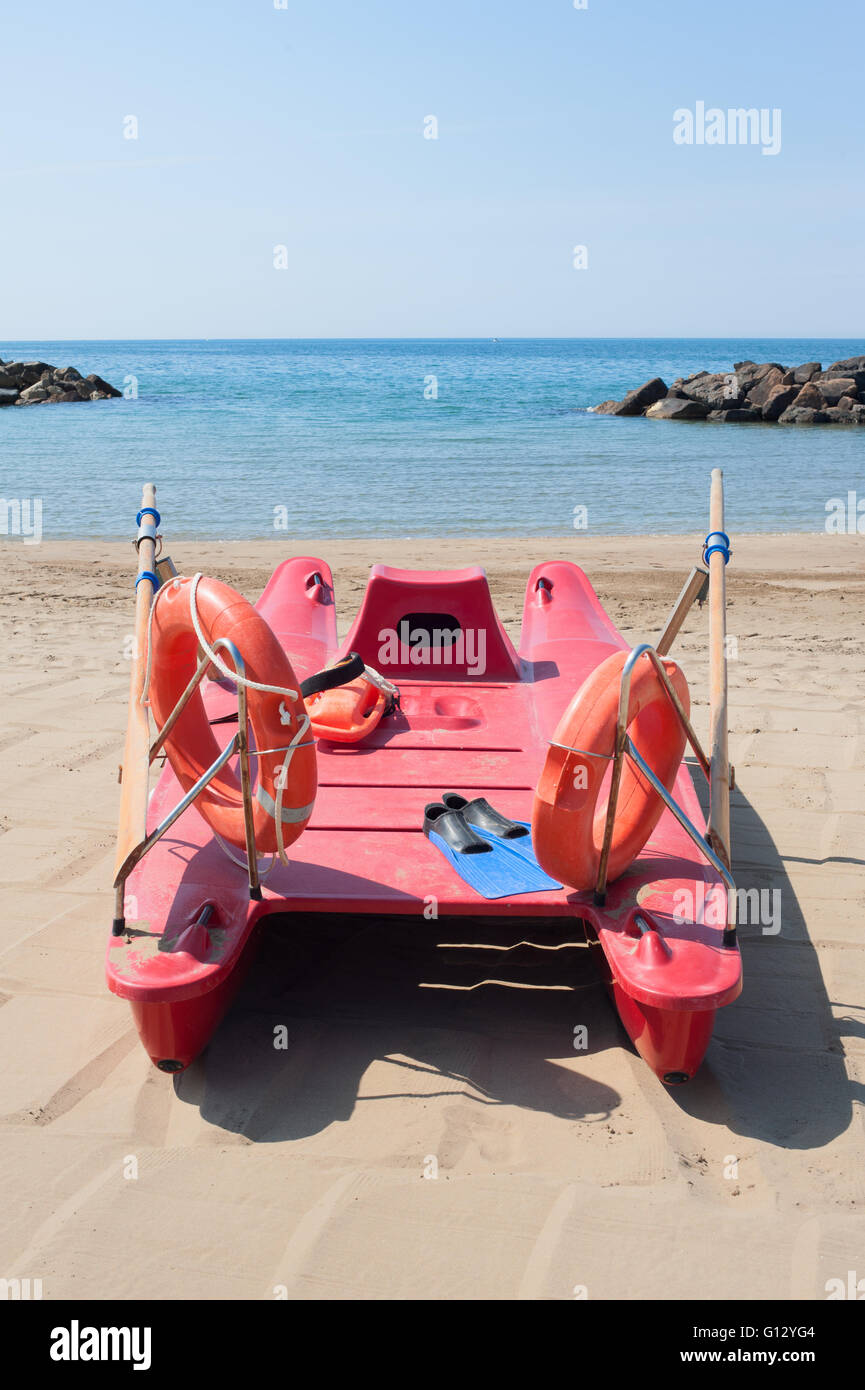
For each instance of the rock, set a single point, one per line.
(67, 374)
(738, 415)
(763, 388)
(97, 383)
(802, 415)
(674, 408)
(834, 388)
(750, 374)
(778, 400)
(765, 367)
(56, 396)
(31, 394)
(809, 398)
(806, 372)
(837, 416)
(854, 364)
(7, 382)
(31, 371)
(788, 379)
(634, 403)
(8, 395)
(716, 390)
(850, 375)
(88, 392)
(647, 394)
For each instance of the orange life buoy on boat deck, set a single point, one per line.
(277, 716)
(348, 699)
(347, 713)
(567, 822)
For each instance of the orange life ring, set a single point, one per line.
(275, 718)
(567, 823)
(347, 713)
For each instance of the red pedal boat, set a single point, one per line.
(187, 911)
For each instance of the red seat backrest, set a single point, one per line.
(436, 625)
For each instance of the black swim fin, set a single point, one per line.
(484, 817)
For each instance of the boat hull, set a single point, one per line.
(672, 1042)
(174, 1032)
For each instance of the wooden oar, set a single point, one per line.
(719, 801)
(132, 826)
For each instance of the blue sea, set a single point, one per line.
(411, 437)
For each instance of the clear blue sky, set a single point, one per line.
(304, 127)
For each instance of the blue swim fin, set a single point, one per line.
(494, 867)
(493, 827)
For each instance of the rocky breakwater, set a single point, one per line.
(764, 392)
(38, 383)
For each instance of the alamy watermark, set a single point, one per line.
(852, 1289)
(423, 646)
(735, 126)
(846, 517)
(21, 516)
(759, 907)
(77, 1343)
(17, 1290)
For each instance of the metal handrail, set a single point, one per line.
(239, 744)
(699, 840)
(625, 746)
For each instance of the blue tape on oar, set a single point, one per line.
(722, 546)
(148, 574)
(148, 511)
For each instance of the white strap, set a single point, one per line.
(376, 678)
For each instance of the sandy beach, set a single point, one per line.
(557, 1171)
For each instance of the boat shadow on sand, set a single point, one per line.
(775, 1068)
(485, 1011)
(478, 1010)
